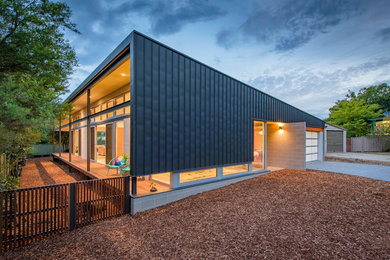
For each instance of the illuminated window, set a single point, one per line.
(119, 100)
(119, 111)
(198, 175)
(127, 110)
(103, 107)
(162, 177)
(110, 104)
(235, 169)
(127, 96)
(119, 138)
(258, 145)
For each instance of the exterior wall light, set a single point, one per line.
(280, 127)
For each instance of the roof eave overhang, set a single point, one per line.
(116, 54)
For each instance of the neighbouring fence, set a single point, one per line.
(45, 149)
(349, 145)
(30, 214)
(379, 143)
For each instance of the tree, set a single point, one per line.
(32, 40)
(353, 114)
(35, 62)
(27, 109)
(379, 94)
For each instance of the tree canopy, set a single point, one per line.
(355, 109)
(376, 95)
(35, 62)
(352, 115)
(32, 40)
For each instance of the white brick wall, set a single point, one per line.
(286, 148)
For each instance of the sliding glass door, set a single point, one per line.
(76, 142)
(119, 138)
(109, 135)
(258, 145)
(104, 146)
(92, 143)
(101, 143)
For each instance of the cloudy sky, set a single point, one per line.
(307, 53)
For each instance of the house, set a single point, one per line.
(184, 124)
(377, 124)
(335, 139)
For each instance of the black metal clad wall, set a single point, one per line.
(187, 115)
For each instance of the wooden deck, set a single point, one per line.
(99, 171)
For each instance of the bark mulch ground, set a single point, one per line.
(43, 171)
(285, 214)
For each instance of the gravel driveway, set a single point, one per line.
(284, 214)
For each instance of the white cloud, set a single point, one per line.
(316, 91)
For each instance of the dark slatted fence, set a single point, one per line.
(30, 214)
(99, 199)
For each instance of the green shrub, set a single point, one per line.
(8, 182)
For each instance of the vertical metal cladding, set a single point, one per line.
(187, 115)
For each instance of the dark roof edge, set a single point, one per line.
(101, 66)
(178, 52)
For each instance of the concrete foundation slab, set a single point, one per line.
(139, 204)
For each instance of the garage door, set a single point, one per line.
(312, 143)
(334, 141)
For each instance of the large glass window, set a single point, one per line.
(198, 175)
(127, 96)
(103, 107)
(101, 143)
(110, 104)
(118, 101)
(258, 145)
(235, 169)
(119, 138)
(127, 110)
(93, 140)
(162, 177)
(76, 138)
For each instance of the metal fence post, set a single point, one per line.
(133, 186)
(127, 194)
(71, 206)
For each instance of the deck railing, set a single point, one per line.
(31, 214)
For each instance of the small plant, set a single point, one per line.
(125, 157)
(153, 187)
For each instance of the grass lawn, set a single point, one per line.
(285, 214)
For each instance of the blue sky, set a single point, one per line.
(305, 52)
